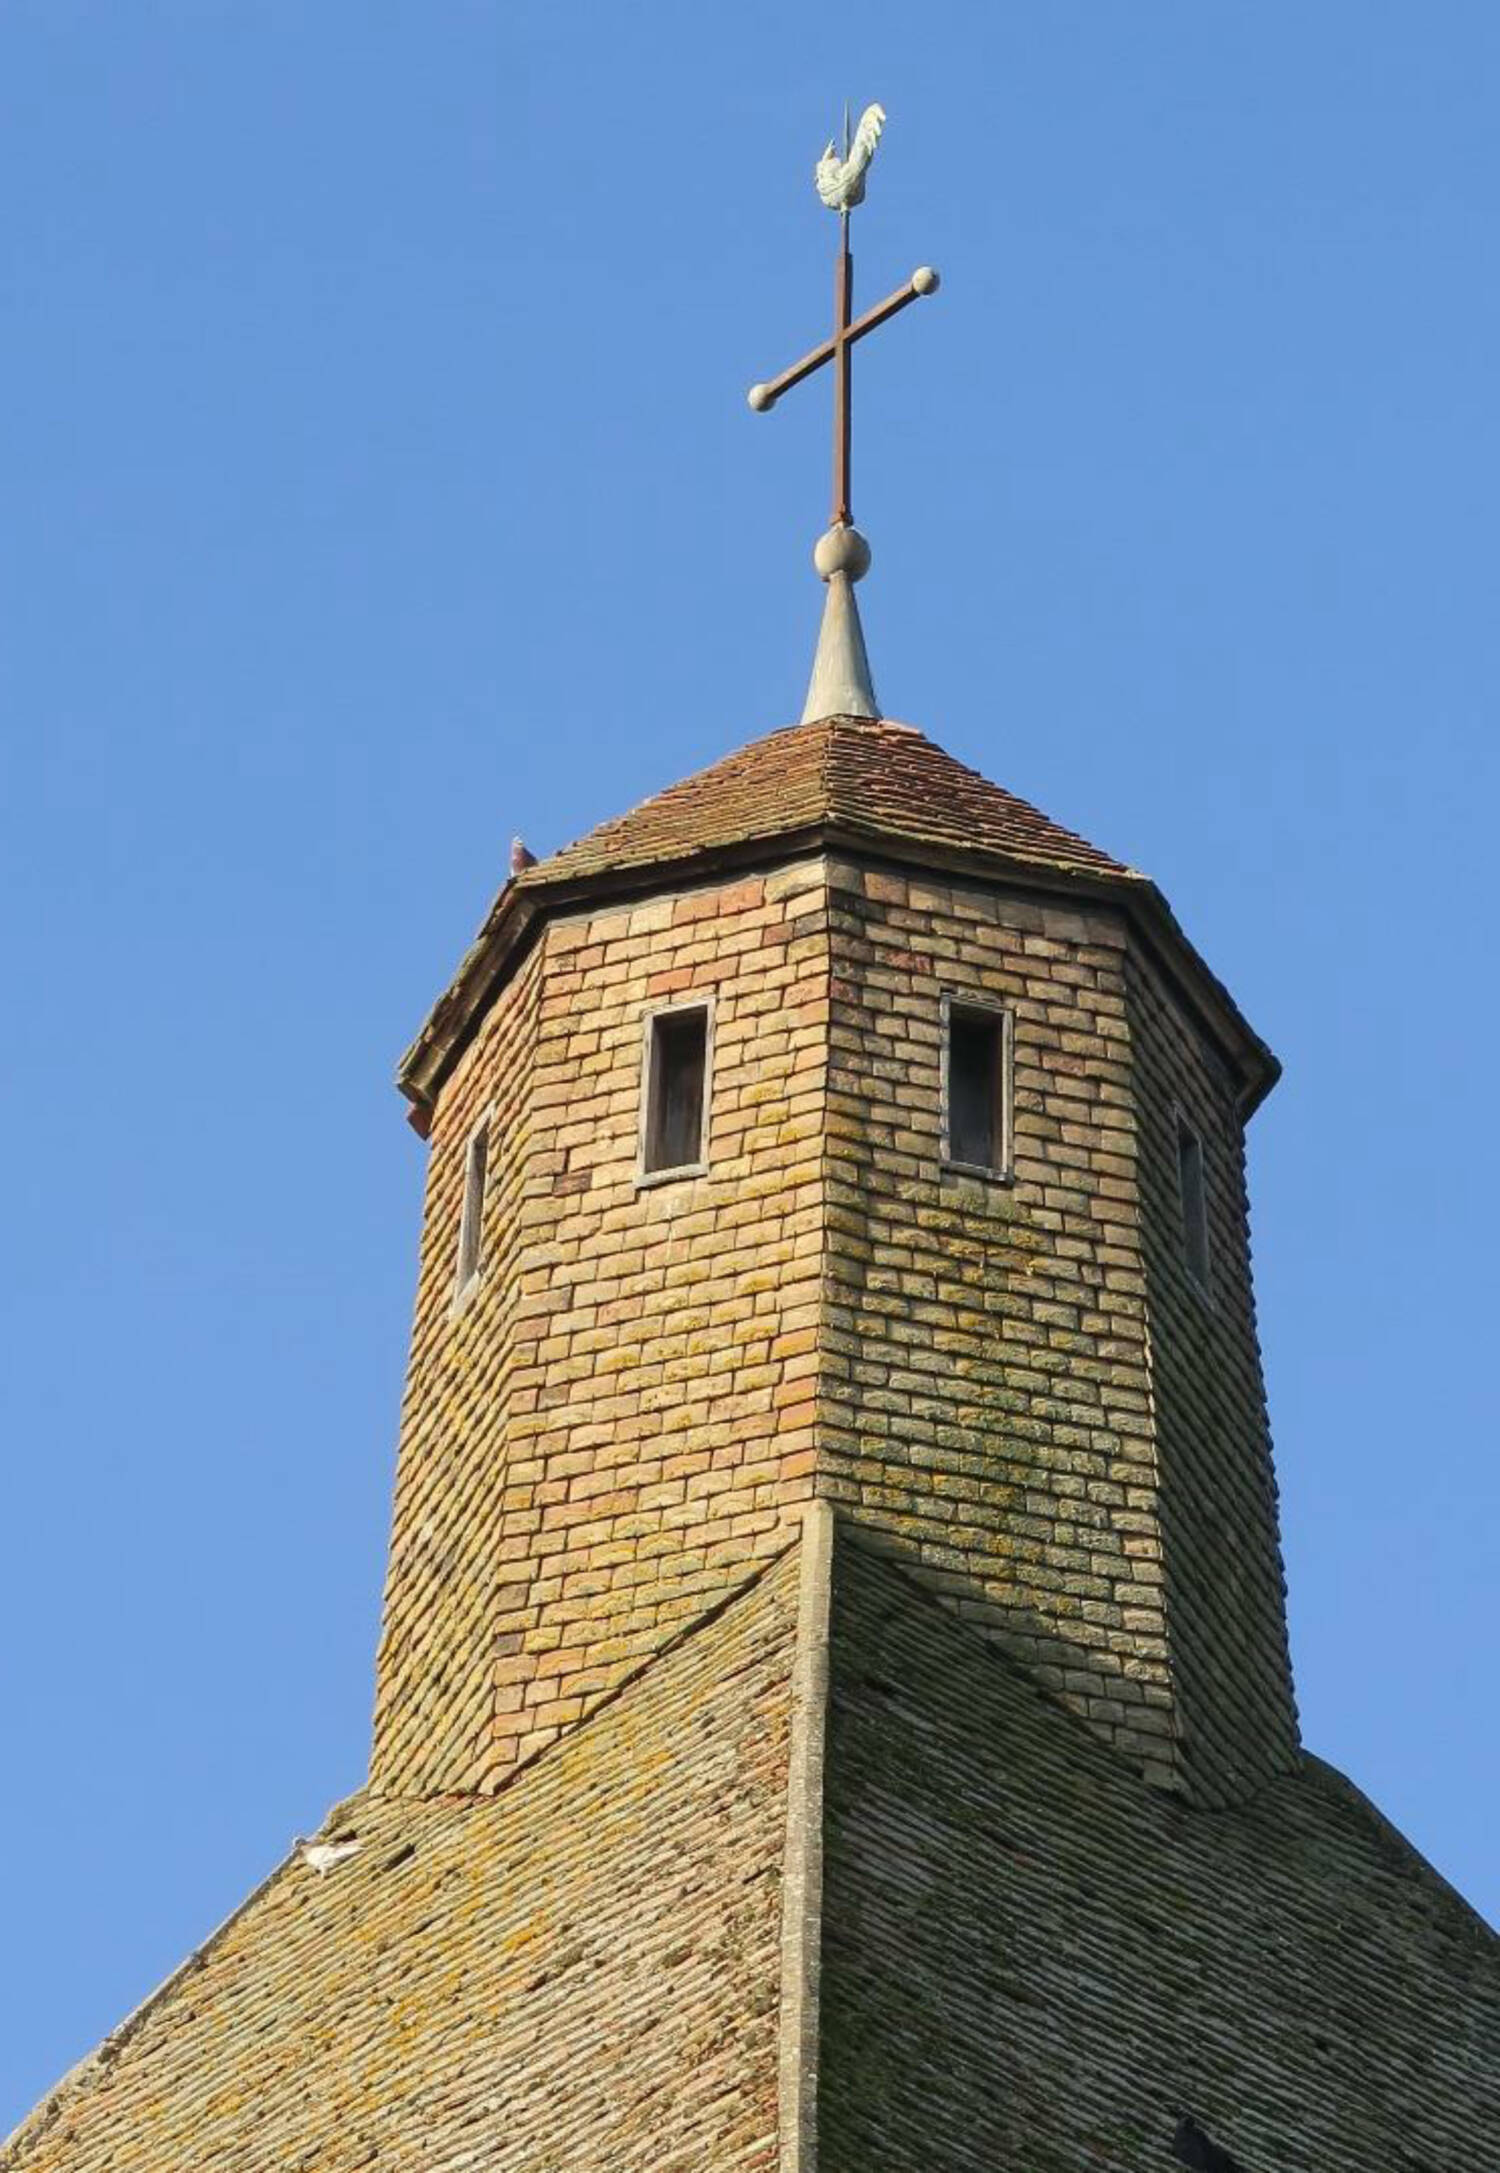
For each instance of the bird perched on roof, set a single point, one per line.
(521, 856)
(324, 1855)
(841, 181)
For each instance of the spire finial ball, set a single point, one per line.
(925, 280)
(761, 398)
(842, 550)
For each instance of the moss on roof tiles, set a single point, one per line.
(580, 1972)
(1031, 1959)
(1035, 1960)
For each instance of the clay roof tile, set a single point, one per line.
(864, 774)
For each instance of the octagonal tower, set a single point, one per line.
(947, 1226)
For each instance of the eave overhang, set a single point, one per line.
(527, 902)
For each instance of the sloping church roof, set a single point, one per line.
(1030, 1958)
(1034, 1960)
(578, 1973)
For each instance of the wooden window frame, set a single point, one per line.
(645, 1177)
(968, 1005)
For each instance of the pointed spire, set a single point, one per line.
(841, 685)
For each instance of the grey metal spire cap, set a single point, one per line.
(841, 684)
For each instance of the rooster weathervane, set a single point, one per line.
(841, 181)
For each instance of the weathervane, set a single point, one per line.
(841, 673)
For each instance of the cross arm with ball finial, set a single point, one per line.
(924, 280)
(840, 183)
(841, 685)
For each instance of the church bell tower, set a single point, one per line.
(835, 1128)
(833, 1709)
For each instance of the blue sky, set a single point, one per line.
(380, 482)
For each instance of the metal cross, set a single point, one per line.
(847, 330)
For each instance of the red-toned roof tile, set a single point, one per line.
(859, 773)
(863, 781)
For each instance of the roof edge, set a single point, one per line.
(522, 906)
(807, 1533)
(800, 2020)
(34, 2124)
(1331, 1781)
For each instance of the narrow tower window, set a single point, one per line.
(1191, 2147)
(976, 1088)
(676, 1099)
(471, 1226)
(1194, 1201)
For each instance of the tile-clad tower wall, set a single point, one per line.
(986, 1386)
(617, 1428)
(1226, 1606)
(434, 1692)
(1014, 1387)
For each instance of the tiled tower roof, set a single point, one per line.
(860, 773)
(855, 783)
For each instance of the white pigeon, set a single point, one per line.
(841, 181)
(324, 1855)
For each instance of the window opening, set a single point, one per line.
(471, 1224)
(977, 1059)
(677, 1067)
(1194, 1201)
(1191, 2147)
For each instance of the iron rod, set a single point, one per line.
(815, 358)
(843, 378)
